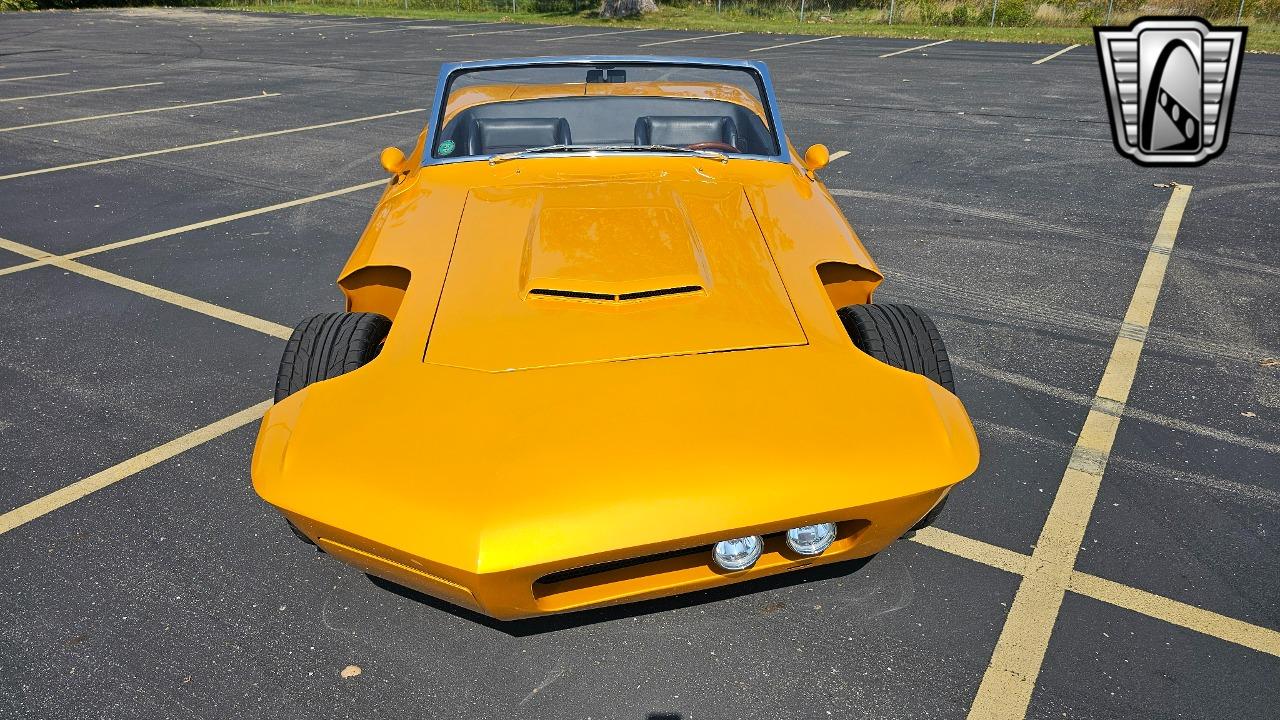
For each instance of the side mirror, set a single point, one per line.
(392, 160)
(816, 158)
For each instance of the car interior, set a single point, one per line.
(511, 126)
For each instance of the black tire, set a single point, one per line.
(927, 520)
(901, 336)
(326, 346)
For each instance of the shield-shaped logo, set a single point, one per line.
(1170, 85)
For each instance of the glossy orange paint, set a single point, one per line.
(504, 439)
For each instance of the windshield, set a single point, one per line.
(510, 112)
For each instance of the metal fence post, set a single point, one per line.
(802, 9)
(891, 4)
(1240, 12)
(994, 3)
(1109, 4)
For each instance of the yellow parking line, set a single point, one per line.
(690, 39)
(918, 47)
(49, 258)
(1063, 51)
(1173, 612)
(411, 27)
(1010, 679)
(211, 143)
(79, 92)
(65, 496)
(837, 155)
(798, 42)
(157, 293)
(136, 112)
(33, 77)
(1176, 613)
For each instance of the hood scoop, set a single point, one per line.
(624, 297)
(546, 276)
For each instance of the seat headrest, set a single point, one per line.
(491, 136)
(685, 130)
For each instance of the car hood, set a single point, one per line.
(571, 273)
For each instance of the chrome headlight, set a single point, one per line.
(811, 539)
(739, 553)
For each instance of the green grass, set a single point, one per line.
(862, 23)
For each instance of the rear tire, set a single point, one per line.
(326, 346)
(901, 336)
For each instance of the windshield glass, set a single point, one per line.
(614, 107)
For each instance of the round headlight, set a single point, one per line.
(811, 539)
(739, 553)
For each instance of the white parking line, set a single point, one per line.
(79, 92)
(599, 34)
(350, 24)
(1046, 59)
(918, 47)
(49, 259)
(798, 42)
(690, 39)
(508, 32)
(33, 77)
(136, 112)
(412, 27)
(211, 143)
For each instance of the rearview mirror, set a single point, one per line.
(816, 158)
(392, 160)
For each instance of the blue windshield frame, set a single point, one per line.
(759, 69)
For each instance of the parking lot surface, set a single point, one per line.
(179, 188)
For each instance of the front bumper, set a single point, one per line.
(677, 566)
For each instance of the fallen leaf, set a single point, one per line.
(350, 671)
(1269, 362)
(1249, 413)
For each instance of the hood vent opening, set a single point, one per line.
(623, 297)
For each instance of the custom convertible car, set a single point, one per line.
(608, 338)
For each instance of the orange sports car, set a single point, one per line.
(608, 338)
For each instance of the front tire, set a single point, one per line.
(326, 346)
(901, 336)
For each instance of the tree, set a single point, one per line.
(611, 9)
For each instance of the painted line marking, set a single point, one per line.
(798, 42)
(49, 259)
(350, 24)
(837, 155)
(65, 496)
(136, 112)
(1123, 596)
(156, 293)
(33, 77)
(599, 34)
(1063, 51)
(79, 92)
(1010, 679)
(918, 47)
(211, 143)
(690, 39)
(412, 27)
(1177, 613)
(509, 32)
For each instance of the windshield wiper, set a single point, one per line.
(607, 148)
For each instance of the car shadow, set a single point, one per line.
(582, 618)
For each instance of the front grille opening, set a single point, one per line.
(623, 297)
(629, 576)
